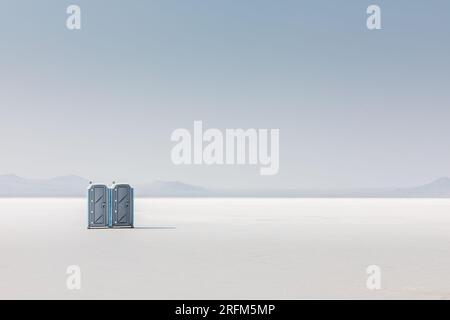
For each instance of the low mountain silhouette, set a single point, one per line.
(436, 188)
(171, 189)
(65, 186)
(74, 186)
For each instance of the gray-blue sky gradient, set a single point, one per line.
(355, 108)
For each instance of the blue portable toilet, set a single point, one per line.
(121, 206)
(98, 206)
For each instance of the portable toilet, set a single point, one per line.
(122, 206)
(98, 206)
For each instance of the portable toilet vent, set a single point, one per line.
(122, 207)
(98, 206)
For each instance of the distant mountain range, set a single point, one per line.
(74, 186)
(171, 189)
(66, 186)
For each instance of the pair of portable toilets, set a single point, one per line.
(110, 207)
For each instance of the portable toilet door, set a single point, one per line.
(98, 203)
(122, 206)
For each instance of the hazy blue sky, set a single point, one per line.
(355, 108)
